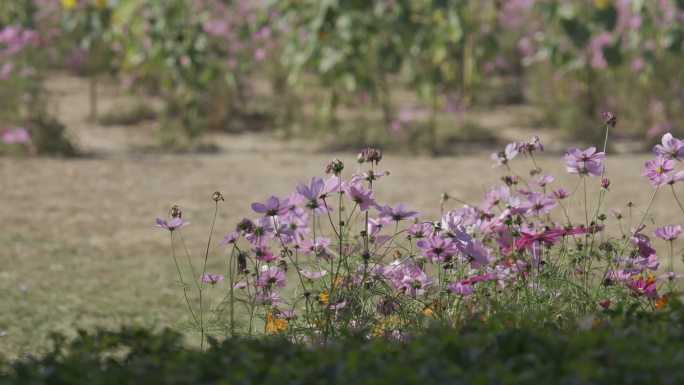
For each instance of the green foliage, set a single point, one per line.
(625, 347)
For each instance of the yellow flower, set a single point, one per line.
(602, 4)
(69, 4)
(662, 302)
(275, 325)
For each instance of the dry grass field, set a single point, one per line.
(78, 246)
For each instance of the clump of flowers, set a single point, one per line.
(329, 257)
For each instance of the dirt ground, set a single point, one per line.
(78, 246)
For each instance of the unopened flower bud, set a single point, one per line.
(359, 158)
(605, 183)
(335, 167)
(217, 196)
(242, 264)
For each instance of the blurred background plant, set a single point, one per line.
(409, 75)
(27, 30)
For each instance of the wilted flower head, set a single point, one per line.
(371, 155)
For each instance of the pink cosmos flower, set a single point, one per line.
(548, 237)
(645, 287)
(264, 254)
(212, 278)
(668, 233)
(312, 194)
(361, 196)
(262, 231)
(272, 207)
(420, 230)
(316, 247)
(669, 276)
(587, 162)
(657, 170)
(268, 297)
(398, 213)
(16, 136)
(312, 275)
(462, 289)
(506, 155)
(543, 180)
(172, 224)
(270, 276)
(561, 193)
(540, 203)
(229, 239)
(438, 248)
(671, 148)
(415, 282)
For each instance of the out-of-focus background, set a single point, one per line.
(112, 111)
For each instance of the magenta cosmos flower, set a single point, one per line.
(584, 162)
(212, 278)
(172, 224)
(657, 170)
(672, 148)
(668, 233)
(272, 207)
(270, 276)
